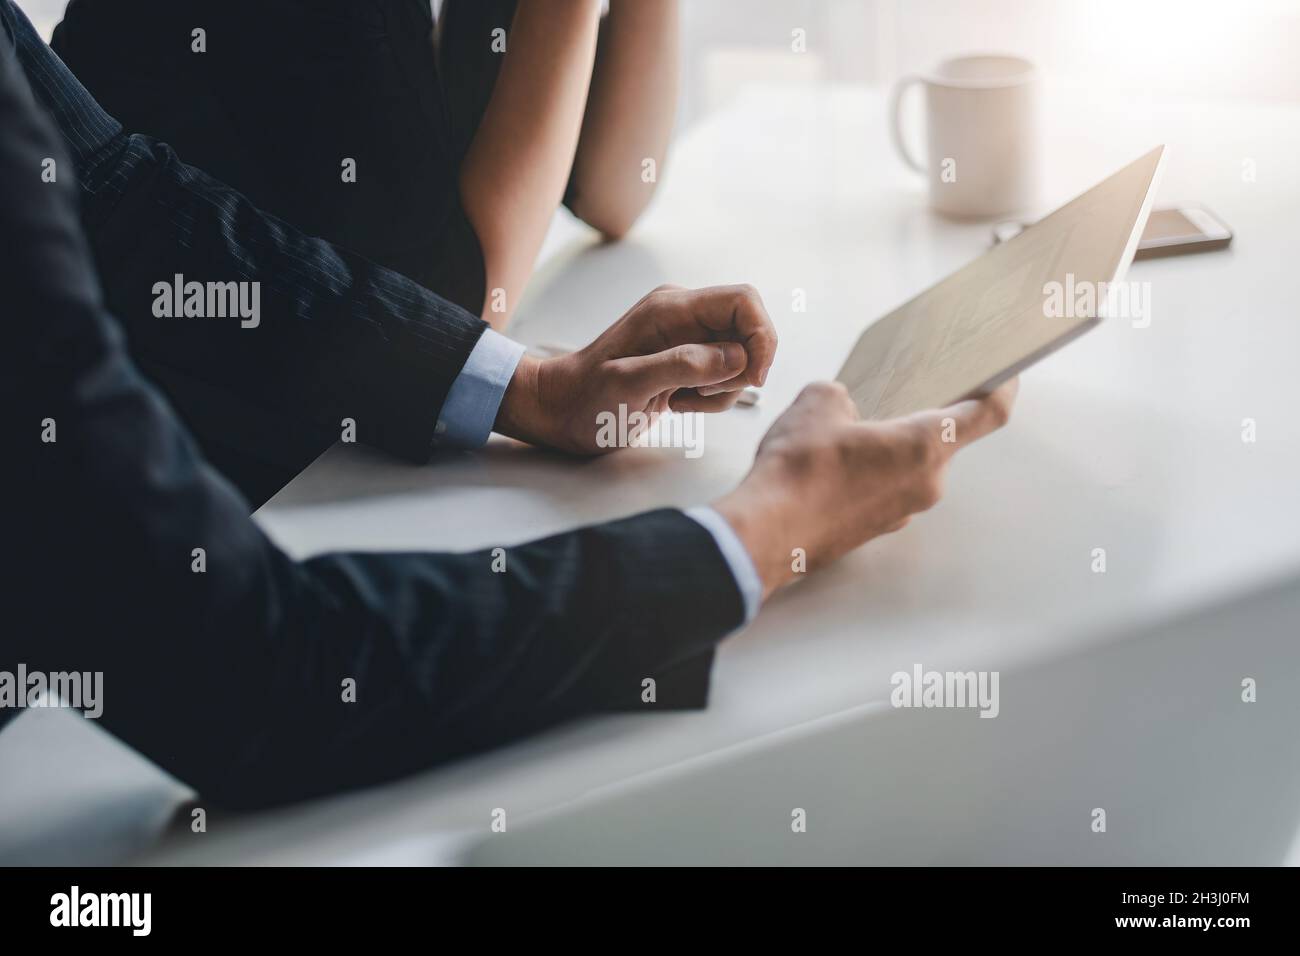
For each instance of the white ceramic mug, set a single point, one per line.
(982, 132)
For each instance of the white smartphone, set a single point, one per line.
(1170, 231)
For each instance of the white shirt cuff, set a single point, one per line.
(737, 558)
(475, 396)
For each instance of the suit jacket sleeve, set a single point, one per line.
(338, 336)
(252, 677)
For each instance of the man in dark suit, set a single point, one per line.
(228, 663)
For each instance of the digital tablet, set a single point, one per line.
(1017, 303)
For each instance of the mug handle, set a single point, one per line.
(896, 111)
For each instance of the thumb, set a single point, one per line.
(684, 366)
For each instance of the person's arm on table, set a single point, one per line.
(514, 174)
(685, 350)
(629, 116)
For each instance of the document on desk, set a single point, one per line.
(1014, 305)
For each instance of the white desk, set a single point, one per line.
(1129, 440)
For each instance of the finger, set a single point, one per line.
(689, 400)
(1006, 395)
(736, 313)
(684, 366)
(736, 384)
(659, 290)
(660, 404)
(970, 420)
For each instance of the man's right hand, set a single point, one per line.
(688, 350)
(827, 482)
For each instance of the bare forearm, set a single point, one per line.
(629, 115)
(519, 160)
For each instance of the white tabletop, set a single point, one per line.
(1130, 440)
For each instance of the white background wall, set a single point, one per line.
(1223, 48)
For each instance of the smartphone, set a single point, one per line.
(1170, 231)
